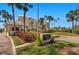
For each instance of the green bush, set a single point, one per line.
(76, 31)
(69, 30)
(39, 41)
(49, 31)
(1, 30)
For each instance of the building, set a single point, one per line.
(29, 24)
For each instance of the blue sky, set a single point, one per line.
(57, 10)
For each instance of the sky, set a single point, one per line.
(56, 10)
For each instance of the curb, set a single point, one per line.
(19, 46)
(14, 49)
(13, 46)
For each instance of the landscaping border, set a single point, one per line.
(13, 46)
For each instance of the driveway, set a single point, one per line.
(65, 38)
(5, 45)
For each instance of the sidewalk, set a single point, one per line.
(5, 45)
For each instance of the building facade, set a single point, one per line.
(29, 24)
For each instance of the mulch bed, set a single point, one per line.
(27, 37)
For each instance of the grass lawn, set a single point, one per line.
(49, 49)
(65, 33)
(17, 41)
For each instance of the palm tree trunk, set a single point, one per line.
(49, 25)
(72, 26)
(37, 17)
(13, 17)
(32, 26)
(75, 27)
(24, 19)
(24, 22)
(5, 26)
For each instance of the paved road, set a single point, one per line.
(5, 45)
(75, 40)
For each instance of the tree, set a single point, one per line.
(5, 15)
(13, 14)
(71, 17)
(41, 21)
(49, 18)
(25, 7)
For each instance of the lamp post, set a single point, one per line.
(37, 16)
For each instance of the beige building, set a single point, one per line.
(29, 24)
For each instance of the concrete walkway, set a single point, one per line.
(23, 45)
(66, 38)
(5, 45)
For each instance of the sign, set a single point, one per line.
(45, 37)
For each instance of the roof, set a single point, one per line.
(17, 22)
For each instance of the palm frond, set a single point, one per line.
(19, 6)
(50, 18)
(41, 20)
(25, 9)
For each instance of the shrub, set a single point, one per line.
(39, 41)
(69, 30)
(76, 31)
(1, 30)
(49, 31)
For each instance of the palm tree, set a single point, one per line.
(25, 7)
(5, 15)
(41, 21)
(37, 23)
(13, 14)
(49, 18)
(71, 17)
